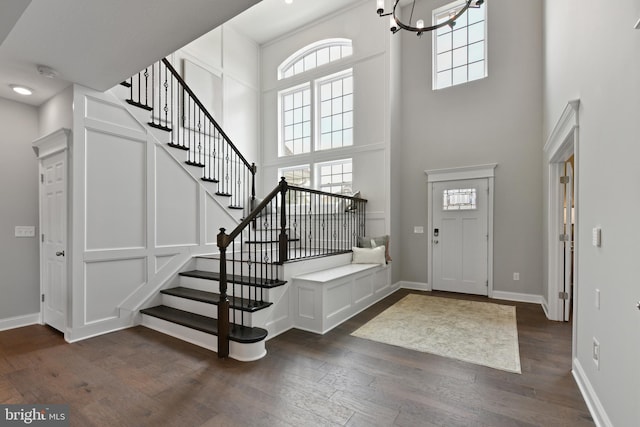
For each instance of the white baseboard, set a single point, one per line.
(19, 321)
(596, 409)
(416, 286)
(515, 296)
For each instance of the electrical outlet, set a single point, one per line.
(596, 352)
(516, 276)
(598, 299)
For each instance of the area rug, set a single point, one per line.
(475, 332)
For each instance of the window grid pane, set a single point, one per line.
(336, 177)
(296, 122)
(320, 54)
(336, 113)
(459, 53)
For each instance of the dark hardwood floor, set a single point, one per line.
(139, 377)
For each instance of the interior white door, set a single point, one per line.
(459, 237)
(568, 242)
(53, 225)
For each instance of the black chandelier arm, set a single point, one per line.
(450, 21)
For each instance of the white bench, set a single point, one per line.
(326, 298)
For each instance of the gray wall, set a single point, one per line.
(597, 59)
(19, 270)
(494, 120)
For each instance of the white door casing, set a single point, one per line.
(485, 174)
(460, 239)
(568, 242)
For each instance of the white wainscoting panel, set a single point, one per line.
(176, 203)
(163, 260)
(115, 219)
(111, 113)
(109, 283)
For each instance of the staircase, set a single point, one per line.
(223, 301)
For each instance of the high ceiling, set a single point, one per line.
(96, 43)
(100, 43)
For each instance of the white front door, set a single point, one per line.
(53, 223)
(459, 236)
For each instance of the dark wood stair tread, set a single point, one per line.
(159, 126)
(209, 325)
(220, 193)
(236, 207)
(197, 164)
(178, 146)
(210, 180)
(239, 280)
(139, 105)
(237, 303)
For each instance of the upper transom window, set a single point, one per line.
(315, 55)
(459, 53)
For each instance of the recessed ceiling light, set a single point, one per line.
(21, 90)
(288, 1)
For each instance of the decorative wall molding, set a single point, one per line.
(569, 120)
(464, 172)
(51, 144)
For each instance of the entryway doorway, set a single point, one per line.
(460, 227)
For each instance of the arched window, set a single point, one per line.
(315, 55)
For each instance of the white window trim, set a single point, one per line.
(434, 38)
(318, 165)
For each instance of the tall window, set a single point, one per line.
(316, 117)
(296, 120)
(336, 112)
(459, 53)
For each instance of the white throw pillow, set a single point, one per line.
(368, 256)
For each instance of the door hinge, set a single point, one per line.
(486, 283)
(564, 237)
(42, 238)
(563, 295)
(42, 298)
(42, 178)
(565, 179)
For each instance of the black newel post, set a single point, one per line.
(223, 306)
(283, 246)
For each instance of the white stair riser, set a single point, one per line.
(240, 267)
(238, 351)
(214, 286)
(210, 310)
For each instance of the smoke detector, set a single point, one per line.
(47, 72)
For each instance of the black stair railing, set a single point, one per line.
(291, 223)
(176, 109)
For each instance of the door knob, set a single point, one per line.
(60, 253)
(638, 305)
(435, 242)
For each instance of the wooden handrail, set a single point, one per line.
(207, 114)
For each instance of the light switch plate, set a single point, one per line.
(25, 231)
(596, 237)
(418, 229)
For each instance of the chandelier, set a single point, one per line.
(396, 24)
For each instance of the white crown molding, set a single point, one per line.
(464, 172)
